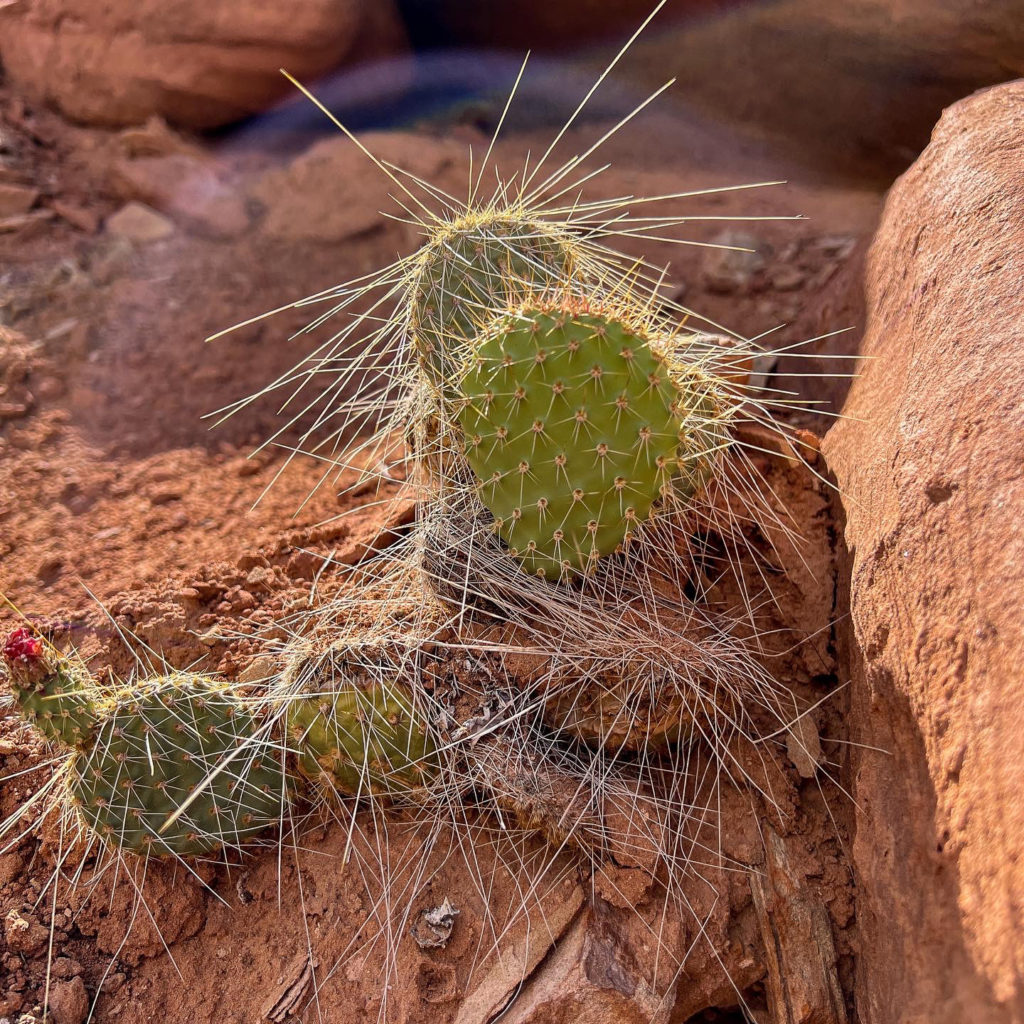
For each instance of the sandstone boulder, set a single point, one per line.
(197, 64)
(930, 460)
(332, 192)
(850, 90)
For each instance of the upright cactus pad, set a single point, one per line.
(477, 265)
(359, 730)
(572, 426)
(56, 699)
(160, 744)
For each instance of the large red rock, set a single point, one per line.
(851, 89)
(332, 192)
(198, 64)
(930, 460)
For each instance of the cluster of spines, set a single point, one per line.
(361, 728)
(705, 435)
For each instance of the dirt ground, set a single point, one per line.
(123, 509)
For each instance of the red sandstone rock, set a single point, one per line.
(849, 89)
(186, 188)
(198, 64)
(69, 1002)
(16, 199)
(599, 971)
(930, 464)
(332, 192)
(138, 223)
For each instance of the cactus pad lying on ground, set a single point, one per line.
(356, 728)
(163, 742)
(572, 426)
(168, 766)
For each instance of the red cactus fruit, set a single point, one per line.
(22, 646)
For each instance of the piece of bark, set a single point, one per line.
(290, 993)
(497, 982)
(803, 986)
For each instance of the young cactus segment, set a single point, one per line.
(572, 426)
(51, 695)
(468, 269)
(357, 728)
(175, 770)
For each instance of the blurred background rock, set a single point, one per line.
(198, 63)
(848, 87)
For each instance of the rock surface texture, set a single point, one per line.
(851, 89)
(198, 65)
(930, 460)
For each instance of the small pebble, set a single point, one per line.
(787, 279)
(136, 222)
(69, 1002)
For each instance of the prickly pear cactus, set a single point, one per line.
(163, 743)
(56, 699)
(169, 766)
(357, 729)
(573, 427)
(477, 265)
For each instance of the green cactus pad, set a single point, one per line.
(360, 732)
(475, 266)
(155, 747)
(58, 700)
(572, 426)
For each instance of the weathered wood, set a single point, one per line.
(803, 986)
(289, 996)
